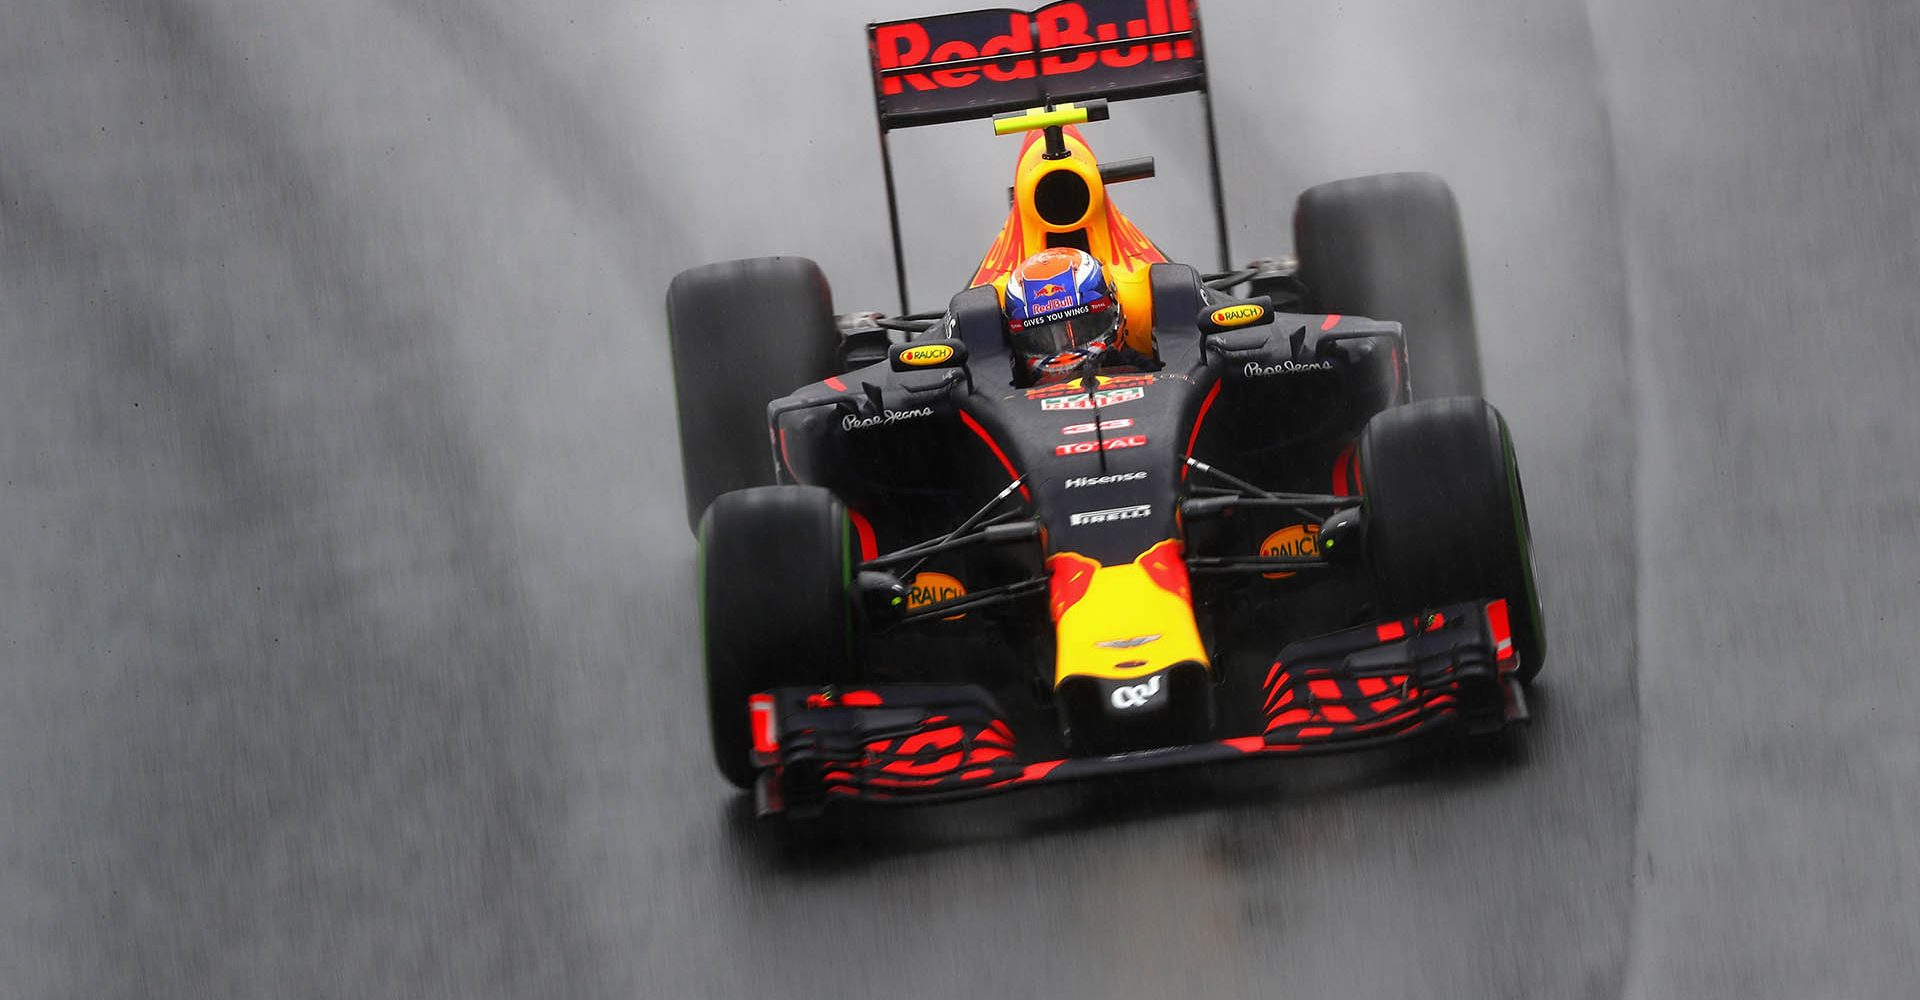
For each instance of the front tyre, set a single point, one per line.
(775, 562)
(1446, 518)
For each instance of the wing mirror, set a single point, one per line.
(881, 597)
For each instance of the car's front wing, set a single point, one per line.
(912, 743)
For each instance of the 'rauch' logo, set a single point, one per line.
(1236, 315)
(854, 423)
(933, 588)
(929, 354)
(1295, 541)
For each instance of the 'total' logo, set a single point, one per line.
(1110, 444)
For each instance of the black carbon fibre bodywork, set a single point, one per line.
(1275, 405)
(1237, 444)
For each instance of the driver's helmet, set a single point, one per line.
(1061, 315)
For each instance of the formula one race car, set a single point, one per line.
(1102, 512)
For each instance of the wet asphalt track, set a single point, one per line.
(345, 601)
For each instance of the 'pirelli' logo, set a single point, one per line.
(1111, 514)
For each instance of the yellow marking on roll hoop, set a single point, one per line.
(1033, 118)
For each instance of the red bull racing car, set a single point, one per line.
(1102, 512)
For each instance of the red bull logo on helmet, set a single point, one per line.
(1053, 284)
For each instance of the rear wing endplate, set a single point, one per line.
(979, 63)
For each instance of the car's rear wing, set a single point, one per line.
(979, 63)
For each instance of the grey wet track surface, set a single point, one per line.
(346, 606)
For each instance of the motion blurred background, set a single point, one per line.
(346, 599)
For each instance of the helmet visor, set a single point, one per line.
(1051, 336)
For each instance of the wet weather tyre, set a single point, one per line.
(743, 333)
(1446, 518)
(774, 562)
(1390, 247)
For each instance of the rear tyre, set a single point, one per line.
(1446, 519)
(775, 562)
(1389, 247)
(743, 332)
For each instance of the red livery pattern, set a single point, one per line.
(1130, 245)
(1117, 242)
(946, 751)
(958, 743)
(1316, 705)
(1005, 250)
(1125, 381)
